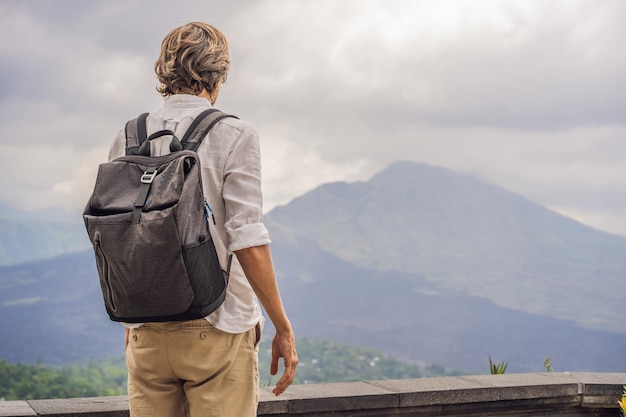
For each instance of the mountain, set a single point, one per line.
(463, 234)
(52, 311)
(421, 262)
(414, 319)
(28, 240)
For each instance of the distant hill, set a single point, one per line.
(28, 240)
(423, 263)
(466, 235)
(414, 319)
(52, 311)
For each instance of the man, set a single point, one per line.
(208, 367)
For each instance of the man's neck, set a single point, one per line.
(211, 97)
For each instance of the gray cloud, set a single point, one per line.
(528, 95)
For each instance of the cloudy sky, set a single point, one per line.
(527, 94)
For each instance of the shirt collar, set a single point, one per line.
(186, 100)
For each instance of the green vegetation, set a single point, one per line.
(622, 403)
(326, 361)
(320, 361)
(86, 379)
(547, 363)
(499, 368)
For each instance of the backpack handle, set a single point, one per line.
(175, 145)
(137, 142)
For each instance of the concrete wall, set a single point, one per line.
(543, 394)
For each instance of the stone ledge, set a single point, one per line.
(540, 394)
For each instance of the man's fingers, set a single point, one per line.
(288, 376)
(285, 381)
(284, 347)
(274, 366)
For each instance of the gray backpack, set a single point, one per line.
(148, 221)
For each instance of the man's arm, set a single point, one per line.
(259, 269)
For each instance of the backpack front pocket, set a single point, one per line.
(141, 266)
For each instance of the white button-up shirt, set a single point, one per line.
(231, 176)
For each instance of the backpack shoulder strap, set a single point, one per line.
(136, 133)
(136, 130)
(201, 126)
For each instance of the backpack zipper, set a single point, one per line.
(209, 210)
(105, 270)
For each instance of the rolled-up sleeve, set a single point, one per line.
(243, 199)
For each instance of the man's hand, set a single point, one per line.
(257, 264)
(284, 346)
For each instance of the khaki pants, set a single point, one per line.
(190, 368)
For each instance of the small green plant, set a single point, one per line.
(547, 363)
(499, 368)
(622, 403)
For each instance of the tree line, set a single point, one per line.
(321, 361)
(84, 379)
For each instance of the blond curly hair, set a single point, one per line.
(193, 57)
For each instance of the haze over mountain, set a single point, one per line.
(464, 234)
(27, 240)
(428, 264)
